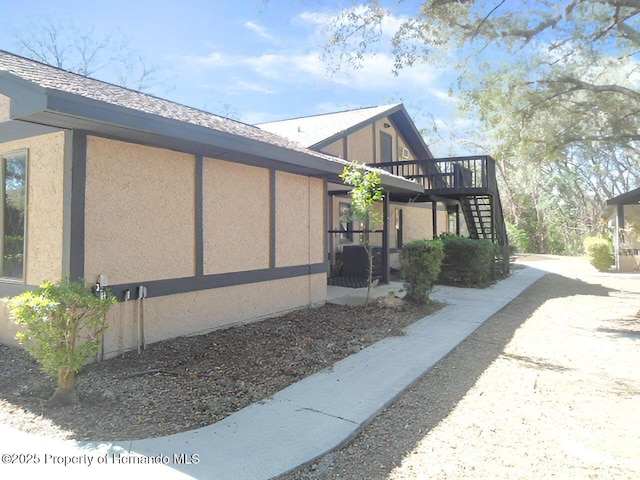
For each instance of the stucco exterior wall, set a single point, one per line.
(45, 209)
(336, 149)
(417, 222)
(140, 226)
(45, 215)
(200, 312)
(236, 217)
(139, 213)
(299, 220)
(360, 145)
(401, 146)
(237, 237)
(45, 178)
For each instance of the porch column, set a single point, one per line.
(386, 267)
(620, 225)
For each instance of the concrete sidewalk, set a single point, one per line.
(295, 426)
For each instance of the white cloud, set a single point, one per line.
(300, 63)
(260, 31)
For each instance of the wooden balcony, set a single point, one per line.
(448, 176)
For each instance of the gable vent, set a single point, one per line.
(405, 152)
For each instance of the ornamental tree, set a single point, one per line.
(365, 193)
(63, 324)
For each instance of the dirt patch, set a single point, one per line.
(547, 388)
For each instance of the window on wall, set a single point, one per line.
(386, 147)
(14, 194)
(346, 225)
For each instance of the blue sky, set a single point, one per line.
(255, 60)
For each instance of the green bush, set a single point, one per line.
(468, 262)
(421, 261)
(600, 252)
(62, 324)
(502, 262)
(519, 238)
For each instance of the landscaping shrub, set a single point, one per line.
(502, 265)
(421, 261)
(600, 252)
(62, 324)
(468, 262)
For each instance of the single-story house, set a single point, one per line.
(625, 218)
(194, 221)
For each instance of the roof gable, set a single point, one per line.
(628, 198)
(318, 131)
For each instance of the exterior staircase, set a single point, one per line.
(469, 182)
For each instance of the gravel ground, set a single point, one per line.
(547, 388)
(191, 382)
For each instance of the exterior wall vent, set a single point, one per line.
(405, 152)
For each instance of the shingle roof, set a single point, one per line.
(57, 79)
(309, 131)
(77, 93)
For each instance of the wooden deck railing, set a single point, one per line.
(448, 176)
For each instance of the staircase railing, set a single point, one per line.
(463, 178)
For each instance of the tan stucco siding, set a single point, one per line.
(5, 108)
(45, 177)
(360, 146)
(201, 312)
(417, 223)
(45, 215)
(236, 217)
(443, 220)
(401, 146)
(45, 208)
(317, 227)
(336, 149)
(140, 212)
(299, 220)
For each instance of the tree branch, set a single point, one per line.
(595, 88)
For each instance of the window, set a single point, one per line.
(346, 225)
(14, 194)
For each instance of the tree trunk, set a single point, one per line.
(66, 393)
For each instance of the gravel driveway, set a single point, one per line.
(547, 388)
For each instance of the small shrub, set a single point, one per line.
(421, 261)
(502, 265)
(62, 324)
(468, 262)
(600, 252)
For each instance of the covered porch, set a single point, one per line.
(461, 191)
(624, 211)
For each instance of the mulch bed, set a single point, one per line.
(191, 382)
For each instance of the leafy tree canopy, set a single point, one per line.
(553, 83)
